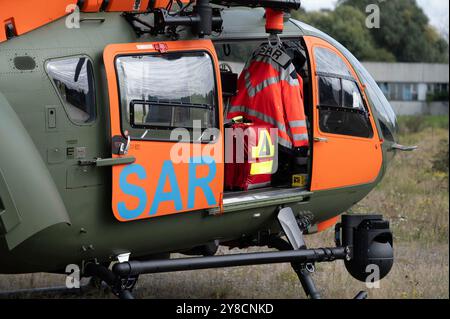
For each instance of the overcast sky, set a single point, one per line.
(437, 10)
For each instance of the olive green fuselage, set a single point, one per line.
(56, 212)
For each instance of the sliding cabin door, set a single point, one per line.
(166, 124)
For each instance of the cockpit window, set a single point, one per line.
(329, 62)
(74, 81)
(387, 117)
(161, 92)
(341, 107)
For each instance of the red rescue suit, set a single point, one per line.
(271, 92)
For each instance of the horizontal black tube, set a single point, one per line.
(191, 20)
(180, 264)
(274, 4)
(180, 20)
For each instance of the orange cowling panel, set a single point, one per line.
(27, 15)
(91, 5)
(127, 5)
(327, 224)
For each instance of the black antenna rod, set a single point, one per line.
(283, 5)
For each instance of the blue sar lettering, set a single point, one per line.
(167, 175)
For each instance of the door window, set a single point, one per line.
(341, 106)
(161, 92)
(330, 91)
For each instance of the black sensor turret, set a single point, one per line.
(371, 244)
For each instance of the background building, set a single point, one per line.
(413, 88)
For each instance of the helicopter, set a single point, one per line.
(90, 92)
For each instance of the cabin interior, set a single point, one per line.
(232, 58)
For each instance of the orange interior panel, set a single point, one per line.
(153, 155)
(342, 161)
(28, 15)
(91, 5)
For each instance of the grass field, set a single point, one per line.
(414, 196)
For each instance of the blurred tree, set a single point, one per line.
(404, 34)
(347, 25)
(405, 31)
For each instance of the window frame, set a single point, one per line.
(168, 140)
(365, 112)
(94, 88)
